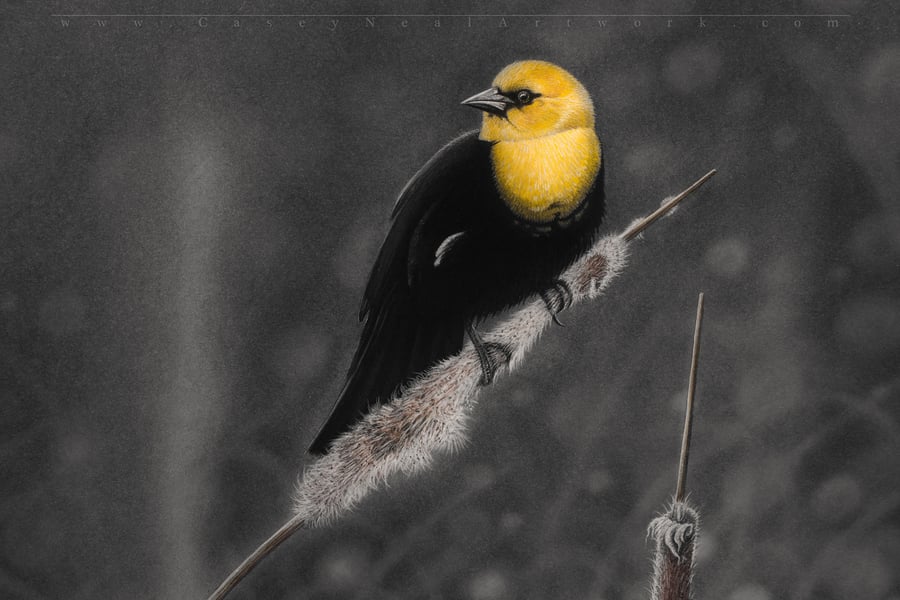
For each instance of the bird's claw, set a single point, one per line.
(557, 298)
(496, 355)
(491, 355)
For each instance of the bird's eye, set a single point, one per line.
(524, 97)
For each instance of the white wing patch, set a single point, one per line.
(445, 247)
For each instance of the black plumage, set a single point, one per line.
(455, 254)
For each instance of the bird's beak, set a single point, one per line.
(490, 101)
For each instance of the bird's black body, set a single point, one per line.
(455, 254)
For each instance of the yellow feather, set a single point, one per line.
(546, 178)
(546, 154)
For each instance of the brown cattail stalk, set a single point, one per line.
(689, 408)
(675, 532)
(431, 414)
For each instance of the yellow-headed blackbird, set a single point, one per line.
(493, 218)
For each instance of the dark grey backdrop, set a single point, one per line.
(188, 215)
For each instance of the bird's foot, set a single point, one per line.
(491, 355)
(557, 297)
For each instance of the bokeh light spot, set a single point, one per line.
(300, 355)
(8, 302)
(857, 572)
(875, 243)
(837, 498)
(881, 76)
(598, 481)
(750, 591)
(693, 67)
(869, 325)
(784, 138)
(489, 584)
(727, 257)
(63, 312)
(345, 568)
(479, 476)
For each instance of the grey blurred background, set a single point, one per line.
(188, 217)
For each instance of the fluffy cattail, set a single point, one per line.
(675, 531)
(429, 416)
(675, 534)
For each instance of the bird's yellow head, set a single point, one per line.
(530, 99)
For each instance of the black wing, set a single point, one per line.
(397, 342)
(433, 206)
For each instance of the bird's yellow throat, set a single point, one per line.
(545, 178)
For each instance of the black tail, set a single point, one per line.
(396, 346)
